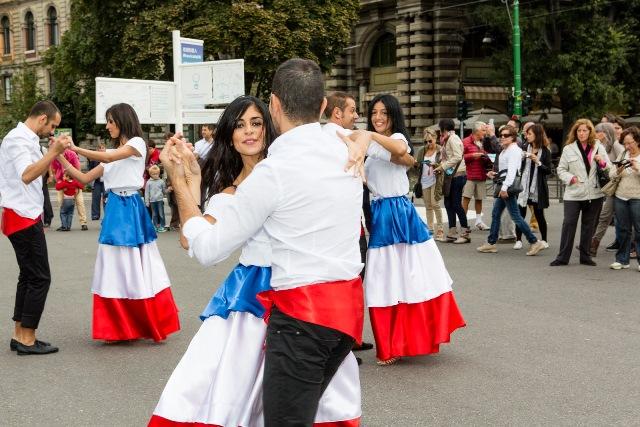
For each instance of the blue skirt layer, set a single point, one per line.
(126, 222)
(395, 220)
(238, 292)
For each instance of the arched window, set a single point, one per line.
(52, 23)
(30, 32)
(384, 52)
(6, 35)
(384, 74)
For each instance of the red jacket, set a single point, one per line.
(476, 166)
(70, 188)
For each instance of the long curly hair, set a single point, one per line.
(223, 163)
(572, 136)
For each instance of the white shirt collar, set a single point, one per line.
(280, 143)
(26, 130)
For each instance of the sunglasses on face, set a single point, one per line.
(505, 135)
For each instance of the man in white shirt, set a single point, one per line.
(22, 166)
(202, 147)
(508, 165)
(310, 208)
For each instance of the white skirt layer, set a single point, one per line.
(219, 379)
(129, 272)
(404, 273)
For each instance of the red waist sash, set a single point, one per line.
(12, 222)
(336, 305)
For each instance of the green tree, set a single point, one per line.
(24, 94)
(580, 52)
(138, 44)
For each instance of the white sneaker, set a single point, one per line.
(545, 244)
(618, 266)
(481, 226)
(487, 248)
(518, 245)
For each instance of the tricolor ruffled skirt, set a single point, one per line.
(131, 290)
(218, 381)
(407, 286)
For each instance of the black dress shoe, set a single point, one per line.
(84, 228)
(557, 262)
(363, 346)
(13, 345)
(588, 262)
(359, 361)
(37, 348)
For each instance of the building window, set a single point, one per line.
(6, 35)
(6, 85)
(30, 32)
(384, 52)
(52, 23)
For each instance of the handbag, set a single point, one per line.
(417, 189)
(513, 190)
(609, 189)
(602, 176)
(448, 178)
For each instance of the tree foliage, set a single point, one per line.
(138, 43)
(582, 51)
(25, 92)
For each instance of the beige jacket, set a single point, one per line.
(571, 164)
(629, 185)
(453, 150)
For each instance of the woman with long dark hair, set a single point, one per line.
(536, 166)
(131, 290)
(219, 379)
(408, 289)
(581, 156)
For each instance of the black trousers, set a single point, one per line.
(30, 247)
(363, 254)
(590, 209)
(300, 360)
(542, 222)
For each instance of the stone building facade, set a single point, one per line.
(27, 29)
(426, 53)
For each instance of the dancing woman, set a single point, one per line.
(219, 379)
(131, 290)
(408, 289)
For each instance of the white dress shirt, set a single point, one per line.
(20, 149)
(202, 147)
(510, 159)
(308, 205)
(386, 179)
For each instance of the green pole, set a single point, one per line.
(517, 76)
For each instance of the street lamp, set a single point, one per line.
(517, 76)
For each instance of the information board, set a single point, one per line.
(212, 82)
(153, 101)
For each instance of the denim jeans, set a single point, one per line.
(453, 202)
(66, 212)
(97, 195)
(157, 211)
(511, 204)
(628, 218)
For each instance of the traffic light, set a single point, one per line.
(463, 109)
(527, 103)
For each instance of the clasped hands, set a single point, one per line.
(182, 167)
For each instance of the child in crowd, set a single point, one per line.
(154, 192)
(69, 188)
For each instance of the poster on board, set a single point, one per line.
(154, 101)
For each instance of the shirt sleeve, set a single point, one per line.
(254, 201)
(139, 145)
(18, 153)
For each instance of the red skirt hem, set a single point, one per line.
(158, 421)
(415, 329)
(119, 319)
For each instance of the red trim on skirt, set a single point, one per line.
(158, 421)
(11, 222)
(335, 305)
(414, 329)
(118, 319)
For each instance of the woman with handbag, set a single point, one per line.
(536, 167)
(578, 169)
(625, 185)
(431, 183)
(506, 195)
(455, 177)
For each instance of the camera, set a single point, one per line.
(623, 163)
